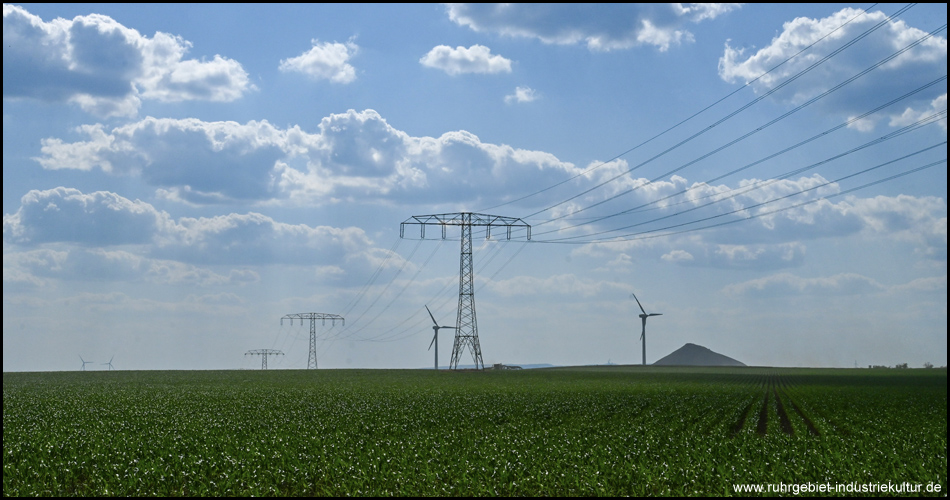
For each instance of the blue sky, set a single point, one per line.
(771, 178)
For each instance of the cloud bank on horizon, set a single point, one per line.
(144, 182)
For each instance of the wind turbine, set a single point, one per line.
(84, 363)
(110, 363)
(435, 336)
(643, 318)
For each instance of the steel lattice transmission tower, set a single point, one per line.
(263, 353)
(313, 317)
(466, 325)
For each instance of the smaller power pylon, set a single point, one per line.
(263, 353)
(313, 317)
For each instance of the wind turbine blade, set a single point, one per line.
(431, 316)
(655, 314)
(433, 340)
(638, 302)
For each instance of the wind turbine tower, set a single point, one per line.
(84, 363)
(643, 319)
(466, 326)
(435, 336)
(313, 317)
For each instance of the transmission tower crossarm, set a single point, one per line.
(313, 316)
(464, 219)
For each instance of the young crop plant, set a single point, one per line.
(613, 431)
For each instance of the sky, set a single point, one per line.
(178, 178)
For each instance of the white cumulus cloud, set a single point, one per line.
(352, 154)
(325, 61)
(202, 162)
(602, 27)
(475, 59)
(107, 68)
(68, 215)
(522, 94)
(914, 68)
(99, 229)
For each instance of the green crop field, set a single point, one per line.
(568, 431)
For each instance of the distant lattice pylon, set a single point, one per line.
(313, 317)
(263, 353)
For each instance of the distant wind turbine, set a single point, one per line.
(643, 318)
(110, 363)
(84, 363)
(435, 336)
